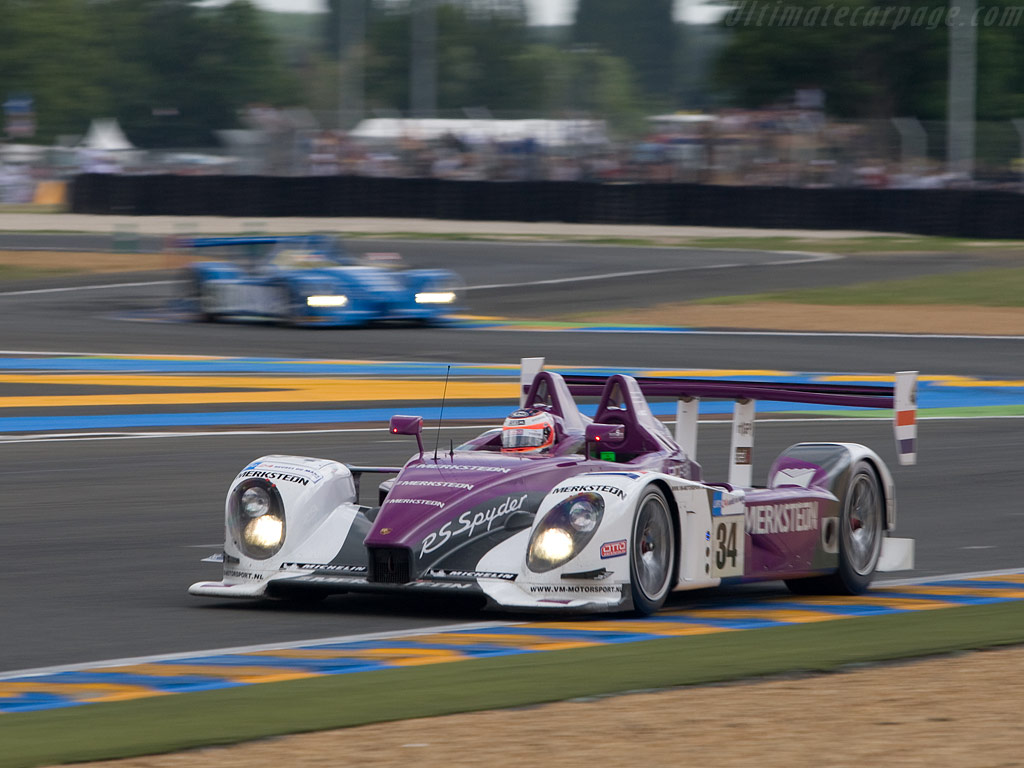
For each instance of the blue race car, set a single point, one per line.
(312, 280)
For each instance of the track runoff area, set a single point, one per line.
(242, 394)
(127, 679)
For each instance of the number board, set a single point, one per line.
(728, 535)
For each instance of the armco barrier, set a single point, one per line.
(954, 213)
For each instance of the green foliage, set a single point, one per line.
(641, 33)
(479, 59)
(981, 288)
(81, 59)
(51, 51)
(873, 60)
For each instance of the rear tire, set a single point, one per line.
(861, 531)
(652, 553)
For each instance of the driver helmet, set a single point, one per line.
(528, 430)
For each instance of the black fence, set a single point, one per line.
(953, 213)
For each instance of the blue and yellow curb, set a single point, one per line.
(216, 670)
(72, 393)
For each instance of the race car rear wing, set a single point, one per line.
(901, 398)
(228, 242)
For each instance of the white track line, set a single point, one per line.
(72, 288)
(395, 634)
(811, 257)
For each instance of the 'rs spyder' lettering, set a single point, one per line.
(470, 521)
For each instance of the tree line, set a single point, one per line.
(174, 71)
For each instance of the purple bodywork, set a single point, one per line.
(443, 513)
(446, 512)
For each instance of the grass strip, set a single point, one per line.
(16, 272)
(176, 722)
(980, 288)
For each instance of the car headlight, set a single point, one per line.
(256, 518)
(327, 301)
(435, 297)
(564, 531)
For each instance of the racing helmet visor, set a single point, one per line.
(527, 432)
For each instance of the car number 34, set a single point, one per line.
(727, 539)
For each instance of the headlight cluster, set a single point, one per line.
(256, 518)
(564, 531)
(435, 297)
(327, 300)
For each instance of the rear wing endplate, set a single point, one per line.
(901, 398)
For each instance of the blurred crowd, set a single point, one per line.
(788, 147)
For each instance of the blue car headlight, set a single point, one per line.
(564, 532)
(332, 300)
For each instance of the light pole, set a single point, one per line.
(423, 60)
(960, 107)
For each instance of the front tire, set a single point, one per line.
(652, 553)
(202, 299)
(861, 530)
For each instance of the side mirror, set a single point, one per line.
(605, 433)
(408, 425)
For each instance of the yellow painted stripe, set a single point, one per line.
(986, 383)
(80, 691)
(254, 674)
(640, 627)
(249, 389)
(964, 591)
(902, 603)
(399, 656)
(792, 616)
(1016, 578)
(941, 380)
(527, 642)
(407, 658)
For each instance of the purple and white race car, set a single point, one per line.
(612, 515)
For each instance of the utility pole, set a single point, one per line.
(423, 60)
(960, 106)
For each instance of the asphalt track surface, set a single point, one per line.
(91, 320)
(102, 537)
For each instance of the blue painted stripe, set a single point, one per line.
(34, 702)
(978, 584)
(838, 611)
(59, 421)
(583, 635)
(273, 662)
(163, 682)
(958, 599)
(626, 631)
(720, 623)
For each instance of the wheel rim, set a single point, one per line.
(863, 529)
(652, 554)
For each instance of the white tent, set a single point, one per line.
(105, 135)
(551, 133)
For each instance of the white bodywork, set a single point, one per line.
(319, 497)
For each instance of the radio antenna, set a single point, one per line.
(444, 393)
